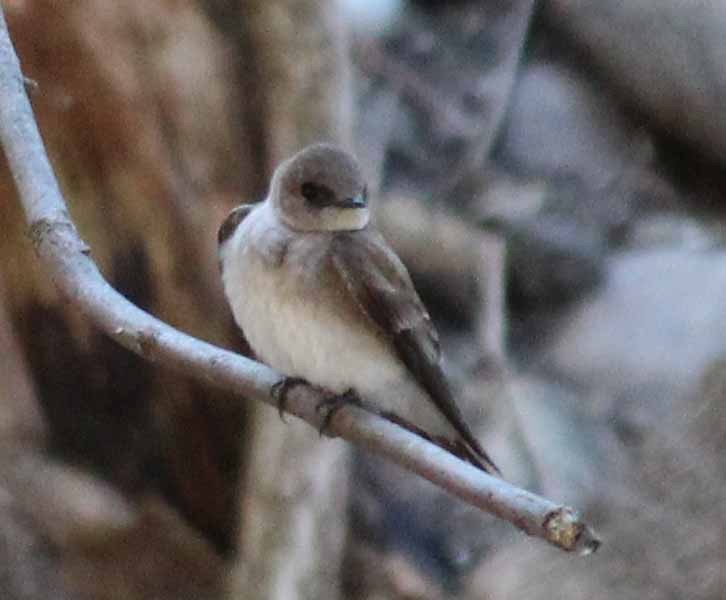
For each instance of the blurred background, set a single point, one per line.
(553, 175)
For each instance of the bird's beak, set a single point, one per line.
(358, 201)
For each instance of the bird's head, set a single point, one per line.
(321, 188)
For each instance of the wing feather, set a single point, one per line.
(385, 294)
(232, 221)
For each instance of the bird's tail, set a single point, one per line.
(472, 453)
(475, 456)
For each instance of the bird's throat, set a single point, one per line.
(343, 219)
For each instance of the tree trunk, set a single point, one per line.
(294, 505)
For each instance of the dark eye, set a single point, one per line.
(309, 191)
(317, 194)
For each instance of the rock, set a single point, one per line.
(659, 507)
(560, 124)
(553, 260)
(672, 230)
(558, 439)
(370, 17)
(664, 57)
(651, 330)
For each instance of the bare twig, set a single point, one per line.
(67, 259)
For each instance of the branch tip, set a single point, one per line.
(565, 529)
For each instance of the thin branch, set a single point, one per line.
(67, 259)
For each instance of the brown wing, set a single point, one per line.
(381, 286)
(232, 221)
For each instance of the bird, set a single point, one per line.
(321, 297)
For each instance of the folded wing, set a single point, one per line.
(381, 287)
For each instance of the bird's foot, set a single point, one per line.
(280, 390)
(333, 404)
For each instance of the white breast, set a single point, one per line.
(290, 323)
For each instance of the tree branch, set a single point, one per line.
(67, 259)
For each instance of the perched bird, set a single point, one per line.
(321, 296)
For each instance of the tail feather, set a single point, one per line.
(475, 456)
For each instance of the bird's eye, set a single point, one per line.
(317, 194)
(309, 190)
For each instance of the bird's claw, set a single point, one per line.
(280, 390)
(333, 404)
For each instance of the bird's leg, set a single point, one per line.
(280, 390)
(333, 404)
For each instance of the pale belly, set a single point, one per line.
(291, 326)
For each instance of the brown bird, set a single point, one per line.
(321, 296)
